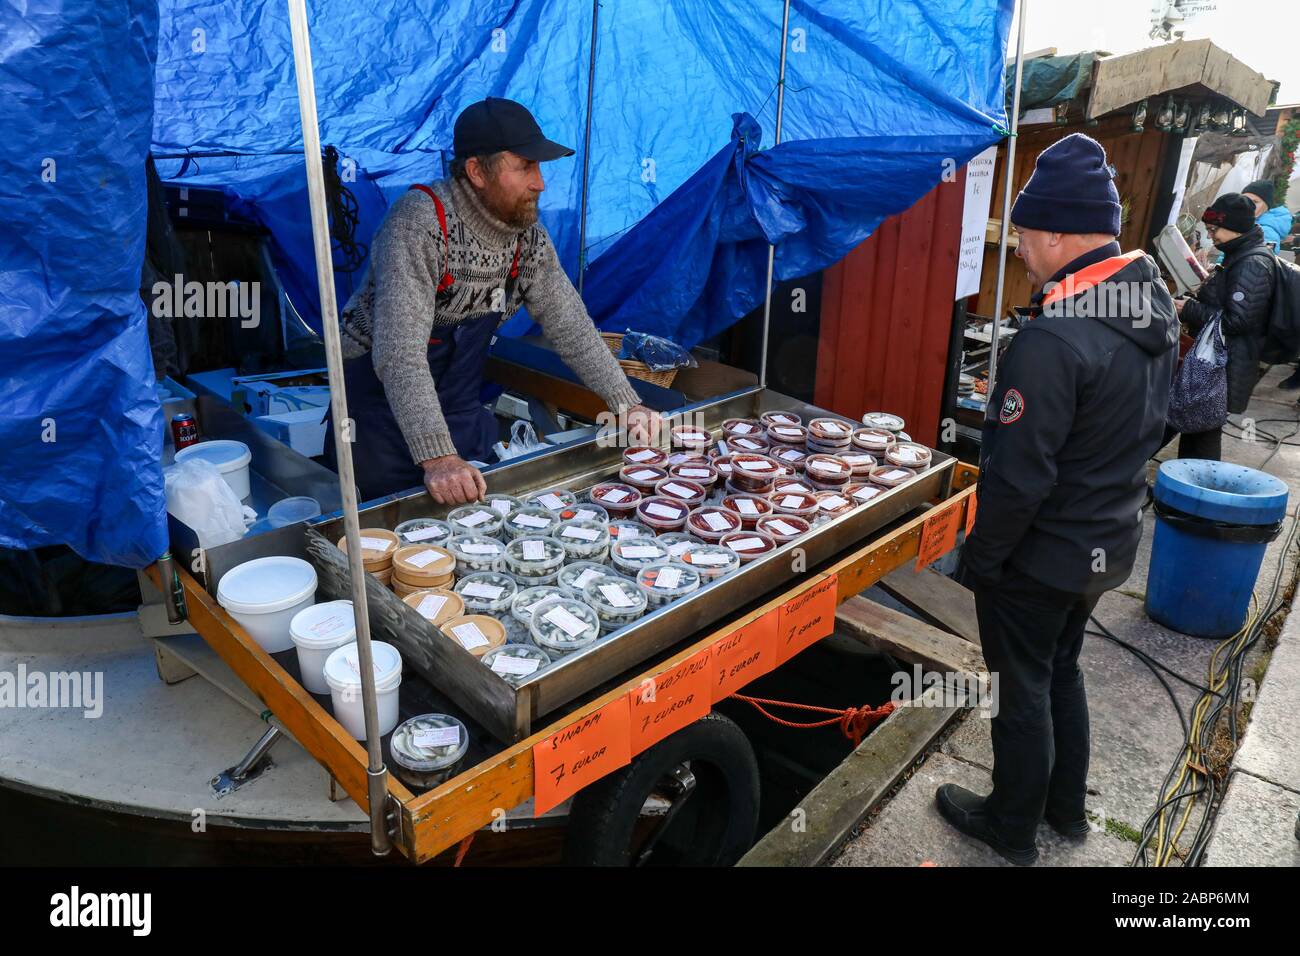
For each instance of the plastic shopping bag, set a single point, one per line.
(198, 496)
(1198, 398)
(523, 439)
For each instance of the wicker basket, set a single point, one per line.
(635, 369)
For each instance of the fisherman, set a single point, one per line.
(449, 264)
(1077, 409)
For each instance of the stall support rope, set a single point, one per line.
(853, 722)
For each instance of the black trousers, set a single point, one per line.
(1197, 444)
(1032, 635)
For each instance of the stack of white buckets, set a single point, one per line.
(273, 599)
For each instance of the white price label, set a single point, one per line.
(894, 475)
(694, 473)
(742, 429)
(617, 495)
(470, 636)
(798, 488)
(615, 595)
(677, 550)
(759, 465)
(645, 474)
(375, 544)
(707, 560)
(787, 431)
(679, 491)
(472, 548)
(858, 459)
(425, 534)
(641, 551)
(564, 619)
(586, 577)
(722, 449)
(717, 522)
(531, 521)
(550, 501)
(746, 544)
(746, 507)
(866, 494)
(783, 527)
(835, 428)
(834, 502)
(644, 455)
(585, 514)
(582, 534)
(668, 578)
(437, 737)
(425, 558)
(534, 550)
(783, 419)
(480, 590)
(474, 518)
(515, 666)
(663, 511)
(331, 624)
(501, 506)
(431, 606)
(792, 501)
(826, 467)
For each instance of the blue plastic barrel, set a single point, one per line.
(1214, 521)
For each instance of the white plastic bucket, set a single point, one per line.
(318, 631)
(264, 595)
(231, 458)
(343, 674)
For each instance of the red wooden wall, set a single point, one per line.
(887, 312)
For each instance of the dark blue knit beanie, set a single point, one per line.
(1072, 189)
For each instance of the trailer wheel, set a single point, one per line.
(708, 774)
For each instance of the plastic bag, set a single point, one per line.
(659, 353)
(1198, 398)
(198, 496)
(523, 439)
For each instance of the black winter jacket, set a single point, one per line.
(1078, 407)
(1241, 287)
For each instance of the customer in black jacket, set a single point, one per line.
(1240, 290)
(1077, 409)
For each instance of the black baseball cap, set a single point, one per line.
(492, 125)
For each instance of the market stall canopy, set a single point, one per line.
(1120, 81)
(883, 98)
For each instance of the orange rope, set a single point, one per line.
(853, 722)
(463, 849)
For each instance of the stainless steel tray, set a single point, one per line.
(508, 712)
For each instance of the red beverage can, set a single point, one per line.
(185, 431)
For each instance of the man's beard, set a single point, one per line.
(519, 215)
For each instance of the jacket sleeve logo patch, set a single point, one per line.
(1013, 406)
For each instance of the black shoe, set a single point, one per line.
(1076, 829)
(1291, 382)
(965, 811)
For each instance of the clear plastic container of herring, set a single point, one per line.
(535, 559)
(665, 583)
(515, 663)
(583, 540)
(502, 504)
(487, 592)
(573, 578)
(529, 521)
(521, 610)
(553, 499)
(712, 561)
(616, 600)
(563, 626)
(424, 531)
(476, 552)
(630, 555)
(427, 749)
(475, 519)
(678, 543)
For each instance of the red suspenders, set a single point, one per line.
(447, 280)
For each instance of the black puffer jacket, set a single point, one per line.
(1241, 287)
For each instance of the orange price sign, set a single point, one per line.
(938, 534)
(806, 619)
(744, 655)
(669, 701)
(971, 504)
(580, 754)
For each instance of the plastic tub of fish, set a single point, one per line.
(830, 431)
(688, 492)
(476, 519)
(476, 552)
(793, 435)
(627, 530)
(583, 540)
(883, 420)
(832, 504)
(712, 561)
(564, 626)
(619, 499)
(515, 663)
(662, 513)
(645, 455)
(477, 633)
(874, 441)
(860, 461)
(796, 504)
(691, 438)
(686, 458)
(436, 605)
(752, 471)
(891, 476)
(748, 507)
(536, 559)
(641, 477)
(521, 608)
(616, 600)
(631, 555)
(697, 472)
(711, 522)
(665, 583)
(724, 466)
(749, 545)
(573, 578)
(427, 750)
(783, 528)
(752, 444)
(906, 454)
(791, 457)
(678, 542)
(862, 491)
(741, 427)
(554, 499)
(432, 531)
(781, 417)
(585, 511)
(487, 592)
(796, 485)
(530, 522)
(827, 469)
(502, 504)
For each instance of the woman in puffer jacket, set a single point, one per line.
(1240, 289)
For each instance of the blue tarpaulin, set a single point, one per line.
(882, 97)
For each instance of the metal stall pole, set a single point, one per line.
(771, 249)
(1008, 174)
(586, 149)
(376, 772)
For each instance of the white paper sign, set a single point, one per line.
(474, 518)
(530, 521)
(375, 544)
(866, 494)
(680, 491)
(424, 534)
(566, 621)
(582, 534)
(742, 429)
(693, 473)
(615, 595)
(782, 527)
(641, 551)
(617, 495)
(586, 577)
(709, 559)
(515, 666)
(480, 590)
(894, 475)
(717, 522)
(644, 455)
(668, 578)
(833, 502)
(534, 550)
(425, 558)
(470, 636)
(473, 548)
(974, 222)
(835, 428)
(431, 606)
(757, 465)
(550, 501)
(826, 467)
(746, 507)
(501, 506)
(438, 737)
(644, 474)
(792, 501)
(662, 511)
(746, 544)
